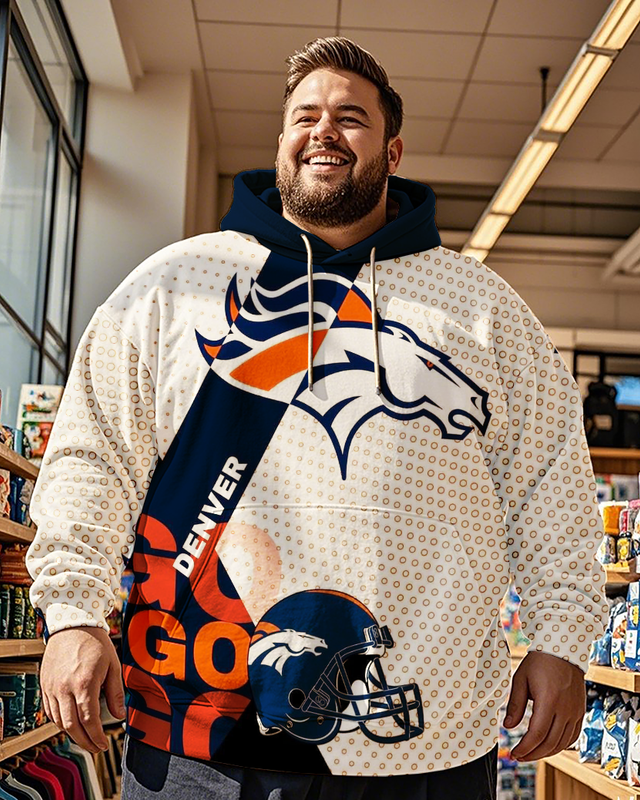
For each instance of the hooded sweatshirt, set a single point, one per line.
(322, 467)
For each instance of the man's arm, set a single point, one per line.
(94, 477)
(542, 472)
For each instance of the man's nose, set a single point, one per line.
(325, 131)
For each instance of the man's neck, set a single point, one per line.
(341, 238)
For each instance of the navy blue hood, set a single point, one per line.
(256, 210)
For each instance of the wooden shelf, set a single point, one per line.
(11, 531)
(620, 460)
(624, 679)
(622, 572)
(17, 464)
(590, 775)
(11, 648)
(17, 744)
(615, 452)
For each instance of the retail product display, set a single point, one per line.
(36, 413)
(60, 768)
(590, 739)
(618, 709)
(516, 781)
(18, 619)
(20, 692)
(57, 767)
(611, 486)
(621, 540)
(15, 491)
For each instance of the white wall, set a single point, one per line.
(136, 181)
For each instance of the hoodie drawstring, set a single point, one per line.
(374, 317)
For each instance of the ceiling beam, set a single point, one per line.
(567, 174)
(108, 54)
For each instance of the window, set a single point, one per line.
(43, 97)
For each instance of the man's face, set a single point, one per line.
(333, 161)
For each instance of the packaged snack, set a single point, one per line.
(631, 653)
(12, 693)
(32, 698)
(607, 551)
(611, 517)
(617, 710)
(623, 547)
(633, 754)
(590, 739)
(634, 523)
(5, 610)
(600, 652)
(6, 436)
(16, 620)
(1, 719)
(29, 631)
(5, 491)
(618, 634)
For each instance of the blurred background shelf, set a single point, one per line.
(17, 464)
(558, 774)
(11, 648)
(16, 744)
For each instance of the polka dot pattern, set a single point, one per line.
(426, 531)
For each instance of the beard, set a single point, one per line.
(329, 204)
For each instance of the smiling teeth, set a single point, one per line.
(327, 160)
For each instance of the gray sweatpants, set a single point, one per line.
(151, 774)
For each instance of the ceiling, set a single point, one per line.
(468, 71)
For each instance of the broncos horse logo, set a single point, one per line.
(265, 352)
(275, 649)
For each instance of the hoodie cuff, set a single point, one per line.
(59, 616)
(562, 636)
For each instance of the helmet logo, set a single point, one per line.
(275, 649)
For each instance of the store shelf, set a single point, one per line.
(16, 744)
(14, 532)
(10, 648)
(622, 572)
(615, 459)
(590, 775)
(615, 452)
(17, 464)
(616, 678)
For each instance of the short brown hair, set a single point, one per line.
(337, 52)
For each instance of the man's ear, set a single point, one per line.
(280, 139)
(394, 153)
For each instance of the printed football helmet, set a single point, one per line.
(315, 671)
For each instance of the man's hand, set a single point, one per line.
(559, 701)
(77, 664)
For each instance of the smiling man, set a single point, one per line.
(332, 443)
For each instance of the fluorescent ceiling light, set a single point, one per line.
(488, 231)
(578, 85)
(580, 81)
(617, 25)
(525, 171)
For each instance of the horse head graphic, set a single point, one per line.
(265, 353)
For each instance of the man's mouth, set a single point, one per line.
(324, 162)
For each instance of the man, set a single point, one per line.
(336, 440)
